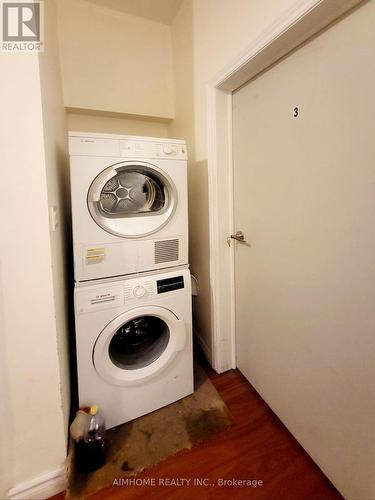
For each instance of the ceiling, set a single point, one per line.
(162, 11)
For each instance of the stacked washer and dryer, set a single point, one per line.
(132, 294)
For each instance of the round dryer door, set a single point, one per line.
(132, 199)
(137, 345)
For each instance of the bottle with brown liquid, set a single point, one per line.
(91, 450)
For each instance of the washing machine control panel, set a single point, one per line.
(130, 292)
(170, 284)
(138, 290)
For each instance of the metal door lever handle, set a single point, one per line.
(239, 236)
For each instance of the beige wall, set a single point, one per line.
(106, 124)
(183, 127)
(115, 62)
(35, 434)
(221, 30)
(56, 161)
(183, 64)
(34, 381)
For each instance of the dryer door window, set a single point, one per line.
(132, 193)
(132, 199)
(139, 342)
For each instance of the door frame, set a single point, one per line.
(296, 25)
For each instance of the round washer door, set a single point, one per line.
(132, 199)
(138, 344)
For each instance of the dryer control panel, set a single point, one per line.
(132, 147)
(145, 149)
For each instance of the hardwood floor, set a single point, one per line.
(256, 447)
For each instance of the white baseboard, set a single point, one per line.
(203, 344)
(41, 487)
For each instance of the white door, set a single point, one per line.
(304, 190)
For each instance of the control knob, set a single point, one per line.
(139, 291)
(167, 149)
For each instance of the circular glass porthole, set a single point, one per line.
(138, 342)
(131, 199)
(132, 193)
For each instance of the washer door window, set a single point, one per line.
(139, 342)
(137, 345)
(131, 199)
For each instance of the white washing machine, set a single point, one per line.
(129, 204)
(134, 343)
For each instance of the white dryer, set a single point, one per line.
(129, 204)
(134, 343)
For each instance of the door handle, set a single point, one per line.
(239, 236)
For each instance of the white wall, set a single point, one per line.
(32, 301)
(115, 62)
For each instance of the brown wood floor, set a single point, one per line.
(257, 447)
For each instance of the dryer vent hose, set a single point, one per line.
(194, 286)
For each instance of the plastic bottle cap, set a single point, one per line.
(93, 410)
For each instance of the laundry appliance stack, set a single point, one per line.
(132, 294)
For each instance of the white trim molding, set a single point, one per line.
(221, 225)
(43, 486)
(299, 23)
